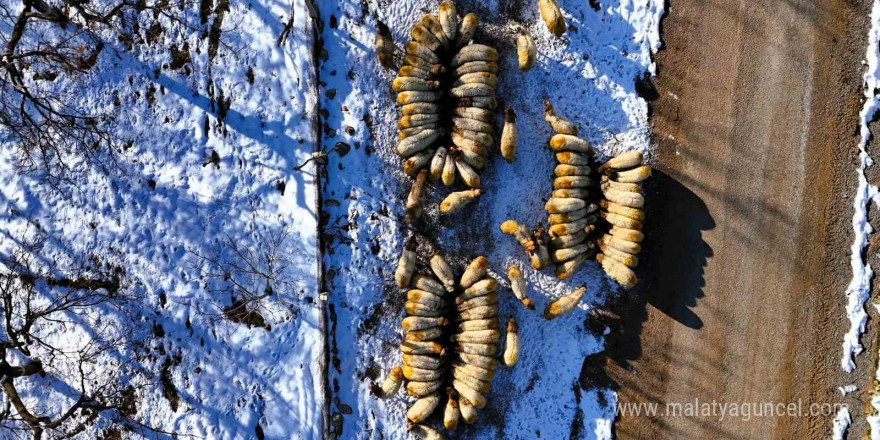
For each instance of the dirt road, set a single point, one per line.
(746, 261)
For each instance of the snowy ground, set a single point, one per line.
(163, 206)
(590, 75)
(169, 219)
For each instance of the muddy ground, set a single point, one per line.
(746, 265)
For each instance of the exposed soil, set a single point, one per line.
(746, 259)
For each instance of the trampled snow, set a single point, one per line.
(163, 206)
(589, 74)
(166, 205)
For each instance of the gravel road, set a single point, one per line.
(742, 300)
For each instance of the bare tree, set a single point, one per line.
(39, 302)
(50, 48)
(46, 46)
(254, 272)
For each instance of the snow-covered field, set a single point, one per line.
(590, 75)
(166, 217)
(206, 196)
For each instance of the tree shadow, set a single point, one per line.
(146, 210)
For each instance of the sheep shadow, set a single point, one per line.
(672, 276)
(675, 252)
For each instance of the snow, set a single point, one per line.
(589, 75)
(162, 207)
(847, 389)
(859, 288)
(164, 215)
(874, 420)
(841, 424)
